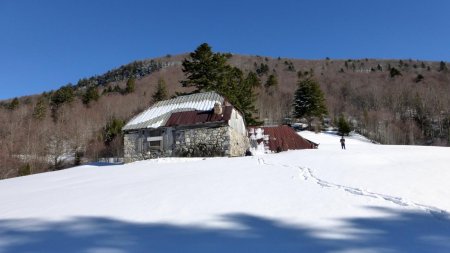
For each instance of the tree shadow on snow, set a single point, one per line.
(399, 232)
(103, 164)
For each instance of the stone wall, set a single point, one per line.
(239, 143)
(130, 147)
(197, 142)
(202, 142)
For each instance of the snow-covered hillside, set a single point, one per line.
(367, 198)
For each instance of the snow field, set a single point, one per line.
(347, 199)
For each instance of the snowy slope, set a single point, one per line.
(368, 198)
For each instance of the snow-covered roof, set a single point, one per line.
(157, 115)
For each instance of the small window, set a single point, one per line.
(155, 144)
(152, 145)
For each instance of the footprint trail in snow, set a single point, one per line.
(307, 175)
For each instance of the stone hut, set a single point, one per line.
(196, 125)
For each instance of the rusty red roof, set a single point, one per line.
(186, 118)
(282, 138)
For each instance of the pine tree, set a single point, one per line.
(112, 129)
(247, 98)
(40, 109)
(130, 85)
(419, 78)
(271, 81)
(161, 91)
(253, 80)
(204, 69)
(208, 71)
(394, 72)
(309, 100)
(442, 66)
(238, 89)
(343, 126)
(24, 170)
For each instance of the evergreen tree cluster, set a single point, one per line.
(65, 94)
(91, 94)
(13, 104)
(136, 69)
(115, 89)
(263, 69)
(290, 66)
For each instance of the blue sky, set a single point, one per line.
(46, 44)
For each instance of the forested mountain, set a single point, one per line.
(391, 101)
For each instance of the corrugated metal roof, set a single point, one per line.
(158, 114)
(282, 138)
(198, 117)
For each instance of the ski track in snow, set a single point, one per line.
(307, 175)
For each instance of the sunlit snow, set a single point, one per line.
(367, 198)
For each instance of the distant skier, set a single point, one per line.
(342, 142)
